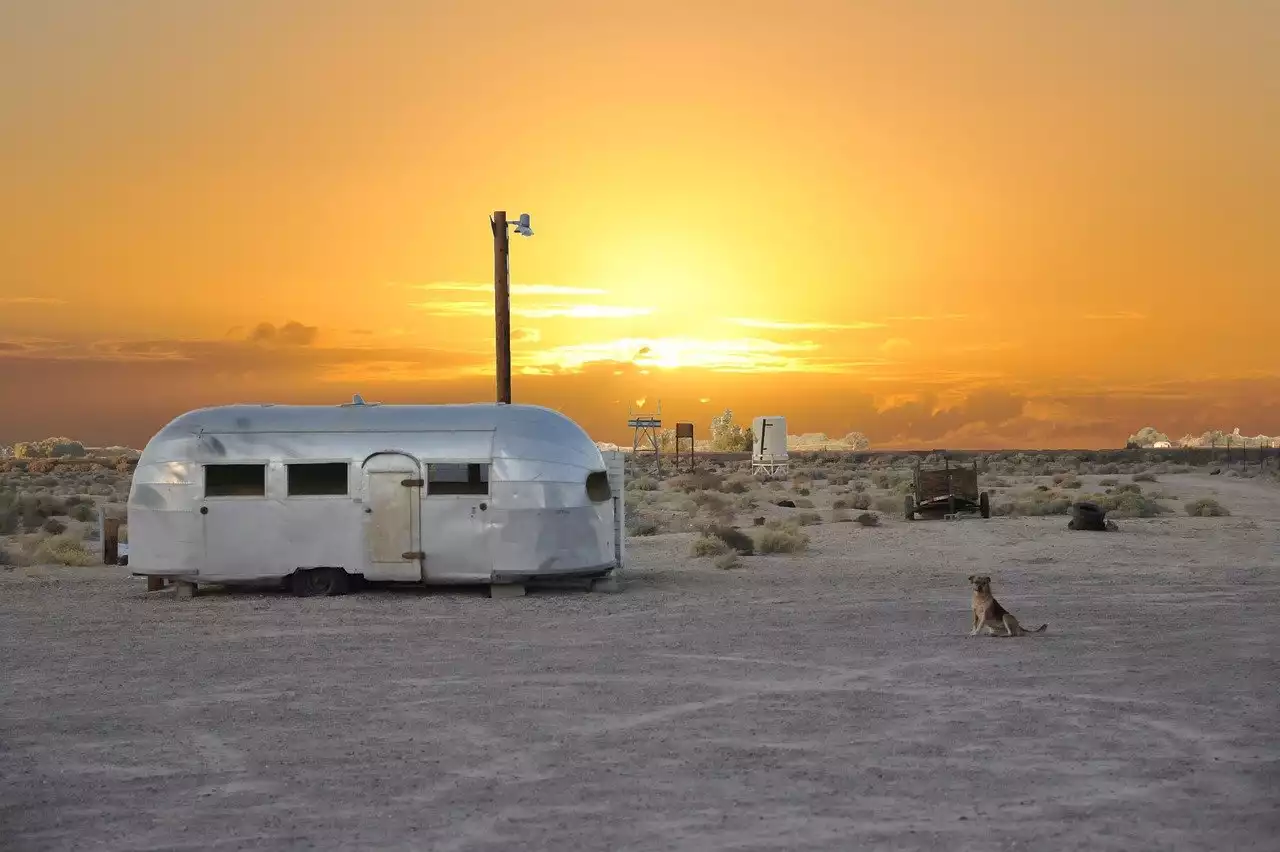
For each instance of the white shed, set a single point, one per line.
(769, 445)
(317, 495)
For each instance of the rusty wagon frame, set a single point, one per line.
(946, 492)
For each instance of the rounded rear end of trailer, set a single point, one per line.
(165, 532)
(555, 505)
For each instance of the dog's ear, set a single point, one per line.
(971, 578)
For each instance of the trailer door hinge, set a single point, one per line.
(413, 483)
(413, 554)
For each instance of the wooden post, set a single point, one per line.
(110, 541)
(502, 304)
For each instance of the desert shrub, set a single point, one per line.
(643, 483)
(803, 503)
(733, 538)
(808, 519)
(840, 516)
(699, 480)
(1128, 501)
(839, 477)
(997, 482)
(1109, 482)
(706, 545)
(642, 525)
(710, 501)
(803, 492)
(859, 485)
(787, 524)
(63, 549)
(83, 512)
(1206, 507)
(738, 484)
(10, 513)
(728, 562)
(1144, 477)
(888, 505)
(841, 503)
(1033, 504)
(868, 519)
(782, 541)
(53, 526)
(745, 503)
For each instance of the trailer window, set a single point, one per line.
(311, 479)
(235, 480)
(449, 478)
(598, 489)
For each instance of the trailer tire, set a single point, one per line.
(319, 582)
(909, 507)
(984, 504)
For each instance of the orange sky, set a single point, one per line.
(973, 224)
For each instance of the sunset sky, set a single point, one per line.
(945, 224)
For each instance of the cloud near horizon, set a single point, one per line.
(133, 387)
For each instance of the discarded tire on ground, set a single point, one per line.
(1088, 516)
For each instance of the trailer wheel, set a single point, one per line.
(316, 582)
(909, 508)
(984, 504)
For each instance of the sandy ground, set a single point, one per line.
(829, 700)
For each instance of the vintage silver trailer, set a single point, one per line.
(317, 495)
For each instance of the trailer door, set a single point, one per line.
(392, 529)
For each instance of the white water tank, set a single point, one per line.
(769, 438)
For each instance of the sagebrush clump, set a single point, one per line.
(782, 541)
(728, 562)
(706, 545)
(1206, 507)
(734, 538)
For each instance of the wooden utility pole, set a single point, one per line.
(502, 304)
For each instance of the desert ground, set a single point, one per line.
(822, 696)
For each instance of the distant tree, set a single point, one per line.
(1147, 436)
(857, 441)
(729, 437)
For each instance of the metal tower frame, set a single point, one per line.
(650, 426)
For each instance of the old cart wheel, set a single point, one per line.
(319, 582)
(984, 504)
(909, 508)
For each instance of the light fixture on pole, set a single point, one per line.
(499, 223)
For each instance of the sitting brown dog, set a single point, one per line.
(987, 612)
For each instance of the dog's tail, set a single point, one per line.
(1039, 629)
